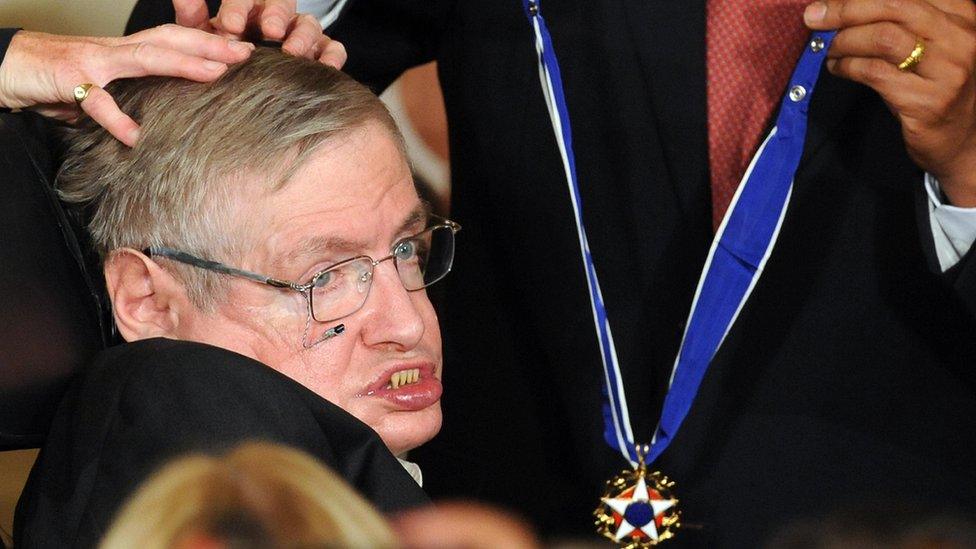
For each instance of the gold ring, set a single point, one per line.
(913, 58)
(81, 92)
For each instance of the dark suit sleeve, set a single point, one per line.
(150, 13)
(383, 37)
(50, 306)
(961, 276)
(386, 37)
(6, 35)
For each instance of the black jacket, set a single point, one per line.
(142, 404)
(848, 375)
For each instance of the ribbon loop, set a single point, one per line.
(736, 260)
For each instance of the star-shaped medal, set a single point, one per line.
(636, 513)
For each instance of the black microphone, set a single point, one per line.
(332, 332)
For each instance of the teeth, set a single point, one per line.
(404, 377)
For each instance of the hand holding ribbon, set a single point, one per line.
(935, 98)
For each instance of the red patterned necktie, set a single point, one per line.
(752, 46)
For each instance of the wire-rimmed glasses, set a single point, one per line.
(342, 288)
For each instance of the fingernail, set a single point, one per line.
(831, 63)
(332, 62)
(133, 137)
(214, 66)
(242, 48)
(296, 46)
(815, 12)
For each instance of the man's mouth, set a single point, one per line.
(411, 386)
(404, 377)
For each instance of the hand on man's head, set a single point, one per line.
(41, 71)
(272, 20)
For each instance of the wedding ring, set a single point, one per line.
(81, 92)
(913, 58)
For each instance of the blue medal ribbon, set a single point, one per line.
(738, 255)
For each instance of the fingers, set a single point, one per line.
(100, 106)
(877, 73)
(194, 42)
(146, 59)
(886, 40)
(233, 16)
(964, 9)
(877, 35)
(891, 43)
(276, 17)
(912, 97)
(192, 14)
(334, 54)
(305, 38)
(918, 17)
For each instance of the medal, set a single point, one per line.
(638, 509)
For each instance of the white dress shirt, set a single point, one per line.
(953, 228)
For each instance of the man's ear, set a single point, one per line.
(147, 300)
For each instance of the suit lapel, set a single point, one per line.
(669, 37)
(832, 101)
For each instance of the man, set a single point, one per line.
(281, 167)
(848, 371)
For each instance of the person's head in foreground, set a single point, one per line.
(263, 213)
(259, 495)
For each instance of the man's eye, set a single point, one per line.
(323, 280)
(405, 250)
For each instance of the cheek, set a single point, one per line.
(325, 369)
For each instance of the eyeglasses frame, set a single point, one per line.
(304, 289)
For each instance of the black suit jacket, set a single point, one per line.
(848, 376)
(144, 403)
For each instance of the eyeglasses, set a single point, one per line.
(341, 289)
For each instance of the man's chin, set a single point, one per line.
(403, 431)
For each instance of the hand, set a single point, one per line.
(936, 101)
(40, 71)
(268, 20)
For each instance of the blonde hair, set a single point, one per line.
(258, 495)
(179, 186)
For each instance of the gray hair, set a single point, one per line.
(177, 187)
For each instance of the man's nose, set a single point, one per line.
(392, 316)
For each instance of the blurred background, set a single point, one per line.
(415, 101)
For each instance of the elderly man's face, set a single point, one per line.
(355, 196)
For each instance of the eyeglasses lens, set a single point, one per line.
(421, 260)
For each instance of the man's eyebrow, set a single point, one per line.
(317, 246)
(418, 216)
(321, 245)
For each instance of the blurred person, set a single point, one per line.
(265, 256)
(257, 495)
(596, 150)
(463, 525)
(895, 524)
